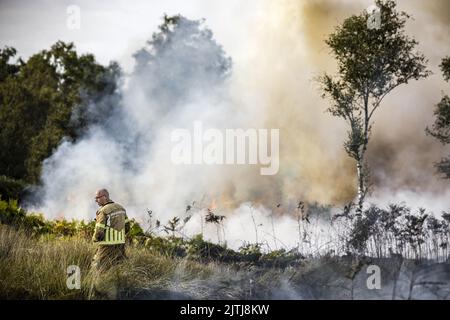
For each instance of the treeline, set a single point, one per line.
(55, 94)
(58, 93)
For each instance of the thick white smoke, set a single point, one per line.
(268, 86)
(172, 86)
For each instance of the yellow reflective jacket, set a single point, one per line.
(110, 224)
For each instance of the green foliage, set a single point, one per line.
(46, 98)
(443, 167)
(441, 127)
(65, 228)
(384, 231)
(35, 223)
(135, 229)
(10, 188)
(170, 247)
(252, 252)
(196, 248)
(362, 230)
(204, 251)
(172, 226)
(86, 230)
(445, 67)
(355, 139)
(11, 214)
(7, 69)
(371, 63)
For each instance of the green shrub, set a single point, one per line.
(205, 251)
(135, 229)
(36, 224)
(171, 247)
(251, 252)
(10, 188)
(85, 230)
(65, 228)
(10, 213)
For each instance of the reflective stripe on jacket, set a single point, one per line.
(110, 224)
(111, 235)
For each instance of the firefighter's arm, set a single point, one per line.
(100, 226)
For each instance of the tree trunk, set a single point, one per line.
(361, 187)
(360, 164)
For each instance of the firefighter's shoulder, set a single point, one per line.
(113, 207)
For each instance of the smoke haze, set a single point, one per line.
(270, 84)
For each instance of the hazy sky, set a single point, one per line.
(113, 30)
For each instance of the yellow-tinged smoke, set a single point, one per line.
(287, 52)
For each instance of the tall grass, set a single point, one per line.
(35, 253)
(35, 268)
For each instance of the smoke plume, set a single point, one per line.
(271, 85)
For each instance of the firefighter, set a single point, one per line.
(109, 233)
